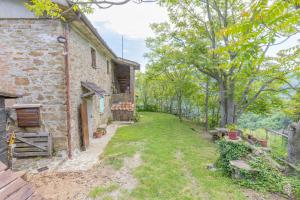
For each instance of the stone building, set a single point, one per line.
(59, 65)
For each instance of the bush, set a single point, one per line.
(230, 151)
(267, 178)
(148, 108)
(275, 121)
(136, 117)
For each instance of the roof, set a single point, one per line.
(123, 61)
(93, 88)
(87, 22)
(9, 95)
(123, 106)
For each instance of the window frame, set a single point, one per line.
(107, 67)
(93, 58)
(102, 108)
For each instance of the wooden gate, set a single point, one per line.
(84, 125)
(33, 144)
(3, 144)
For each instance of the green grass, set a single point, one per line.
(174, 160)
(97, 191)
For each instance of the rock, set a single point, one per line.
(238, 166)
(211, 167)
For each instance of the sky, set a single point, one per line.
(132, 21)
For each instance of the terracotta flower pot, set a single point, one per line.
(97, 134)
(263, 143)
(233, 135)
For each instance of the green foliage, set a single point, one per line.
(292, 106)
(228, 42)
(266, 178)
(136, 117)
(47, 8)
(100, 190)
(174, 160)
(275, 121)
(148, 108)
(44, 7)
(230, 151)
(231, 127)
(270, 179)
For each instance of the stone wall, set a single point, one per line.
(32, 64)
(82, 70)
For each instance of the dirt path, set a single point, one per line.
(78, 185)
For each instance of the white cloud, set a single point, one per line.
(131, 20)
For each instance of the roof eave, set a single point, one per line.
(123, 61)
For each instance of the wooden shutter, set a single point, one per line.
(28, 117)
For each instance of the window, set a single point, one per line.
(107, 67)
(93, 56)
(102, 104)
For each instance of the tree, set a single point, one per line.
(52, 9)
(236, 56)
(165, 61)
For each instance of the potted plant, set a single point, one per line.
(263, 143)
(232, 131)
(100, 132)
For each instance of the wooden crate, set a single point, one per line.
(32, 144)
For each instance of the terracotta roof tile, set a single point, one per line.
(126, 106)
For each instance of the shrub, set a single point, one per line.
(136, 117)
(230, 151)
(267, 177)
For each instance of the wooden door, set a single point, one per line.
(90, 111)
(84, 124)
(3, 144)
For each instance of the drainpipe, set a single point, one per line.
(67, 71)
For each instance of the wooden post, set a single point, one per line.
(3, 144)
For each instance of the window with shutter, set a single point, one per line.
(102, 104)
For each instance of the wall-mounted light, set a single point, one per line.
(61, 39)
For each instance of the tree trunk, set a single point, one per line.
(230, 119)
(294, 144)
(171, 106)
(206, 104)
(180, 107)
(223, 103)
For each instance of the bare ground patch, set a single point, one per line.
(77, 185)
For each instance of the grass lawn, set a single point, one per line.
(174, 160)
